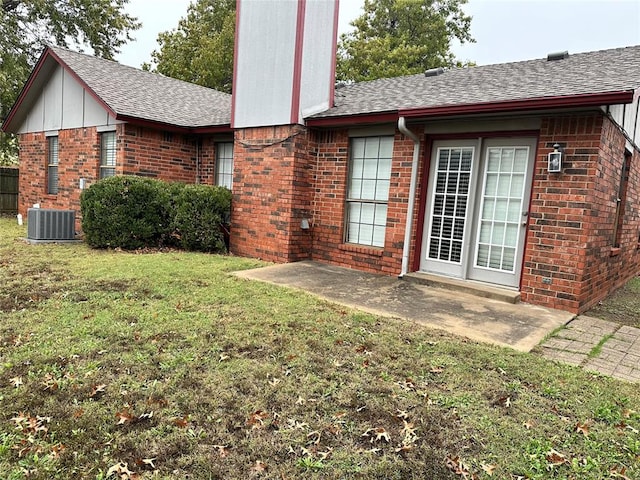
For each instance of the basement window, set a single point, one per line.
(368, 190)
(224, 164)
(52, 165)
(107, 154)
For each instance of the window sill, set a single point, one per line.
(363, 249)
(614, 252)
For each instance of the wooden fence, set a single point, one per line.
(8, 190)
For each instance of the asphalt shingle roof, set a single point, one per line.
(583, 73)
(135, 93)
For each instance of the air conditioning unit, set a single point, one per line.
(45, 224)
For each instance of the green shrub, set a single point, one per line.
(134, 212)
(201, 213)
(126, 212)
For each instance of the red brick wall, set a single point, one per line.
(78, 157)
(272, 193)
(140, 151)
(329, 207)
(572, 214)
(158, 154)
(568, 263)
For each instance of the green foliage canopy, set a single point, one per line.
(200, 49)
(401, 37)
(26, 26)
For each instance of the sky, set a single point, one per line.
(504, 30)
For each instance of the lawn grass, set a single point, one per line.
(623, 306)
(163, 365)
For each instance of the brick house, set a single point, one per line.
(453, 173)
(80, 118)
(449, 174)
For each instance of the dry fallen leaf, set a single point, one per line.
(488, 468)
(556, 458)
(16, 381)
(97, 390)
(408, 430)
(121, 469)
(146, 462)
(257, 418)
(456, 466)
(223, 450)
(314, 437)
(259, 467)
(583, 428)
(124, 416)
(56, 450)
(324, 455)
(403, 448)
(622, 473)
(381, 434)
(181, 422)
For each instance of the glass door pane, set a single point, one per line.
(501, 208)
(450, 199)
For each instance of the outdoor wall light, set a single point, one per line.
(304, 224)
(555, 159)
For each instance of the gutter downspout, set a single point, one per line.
(412, 194)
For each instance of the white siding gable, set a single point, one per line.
(62, 104)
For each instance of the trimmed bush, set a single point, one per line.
(126, 212)
(135, 212)
(201, 213)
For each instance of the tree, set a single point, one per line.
(26, 26)
(200, 49)
(401, 37)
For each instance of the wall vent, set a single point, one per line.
(45, 224)
(557, 56)
(434, 72)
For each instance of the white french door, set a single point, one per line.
(477, 207)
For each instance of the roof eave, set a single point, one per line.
(222, 128)
(522, 105)
(349, 120)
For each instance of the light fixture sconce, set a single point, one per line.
(555, 159)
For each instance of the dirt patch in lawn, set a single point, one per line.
(623, 306)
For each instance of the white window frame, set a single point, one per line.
(53, 161)
(368, 171)
(107, 162)
(224, 164)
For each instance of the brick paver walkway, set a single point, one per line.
(597, 345)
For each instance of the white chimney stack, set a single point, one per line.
(284, 66)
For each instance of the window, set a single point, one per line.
(224, 164)
(52, 165)
(622, 198)
(368, 190)
(107, 154)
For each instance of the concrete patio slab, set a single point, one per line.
(519, 326)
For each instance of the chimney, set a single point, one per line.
(284, 62)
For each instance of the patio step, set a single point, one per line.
(466, 286)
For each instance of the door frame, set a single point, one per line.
(425, 175)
